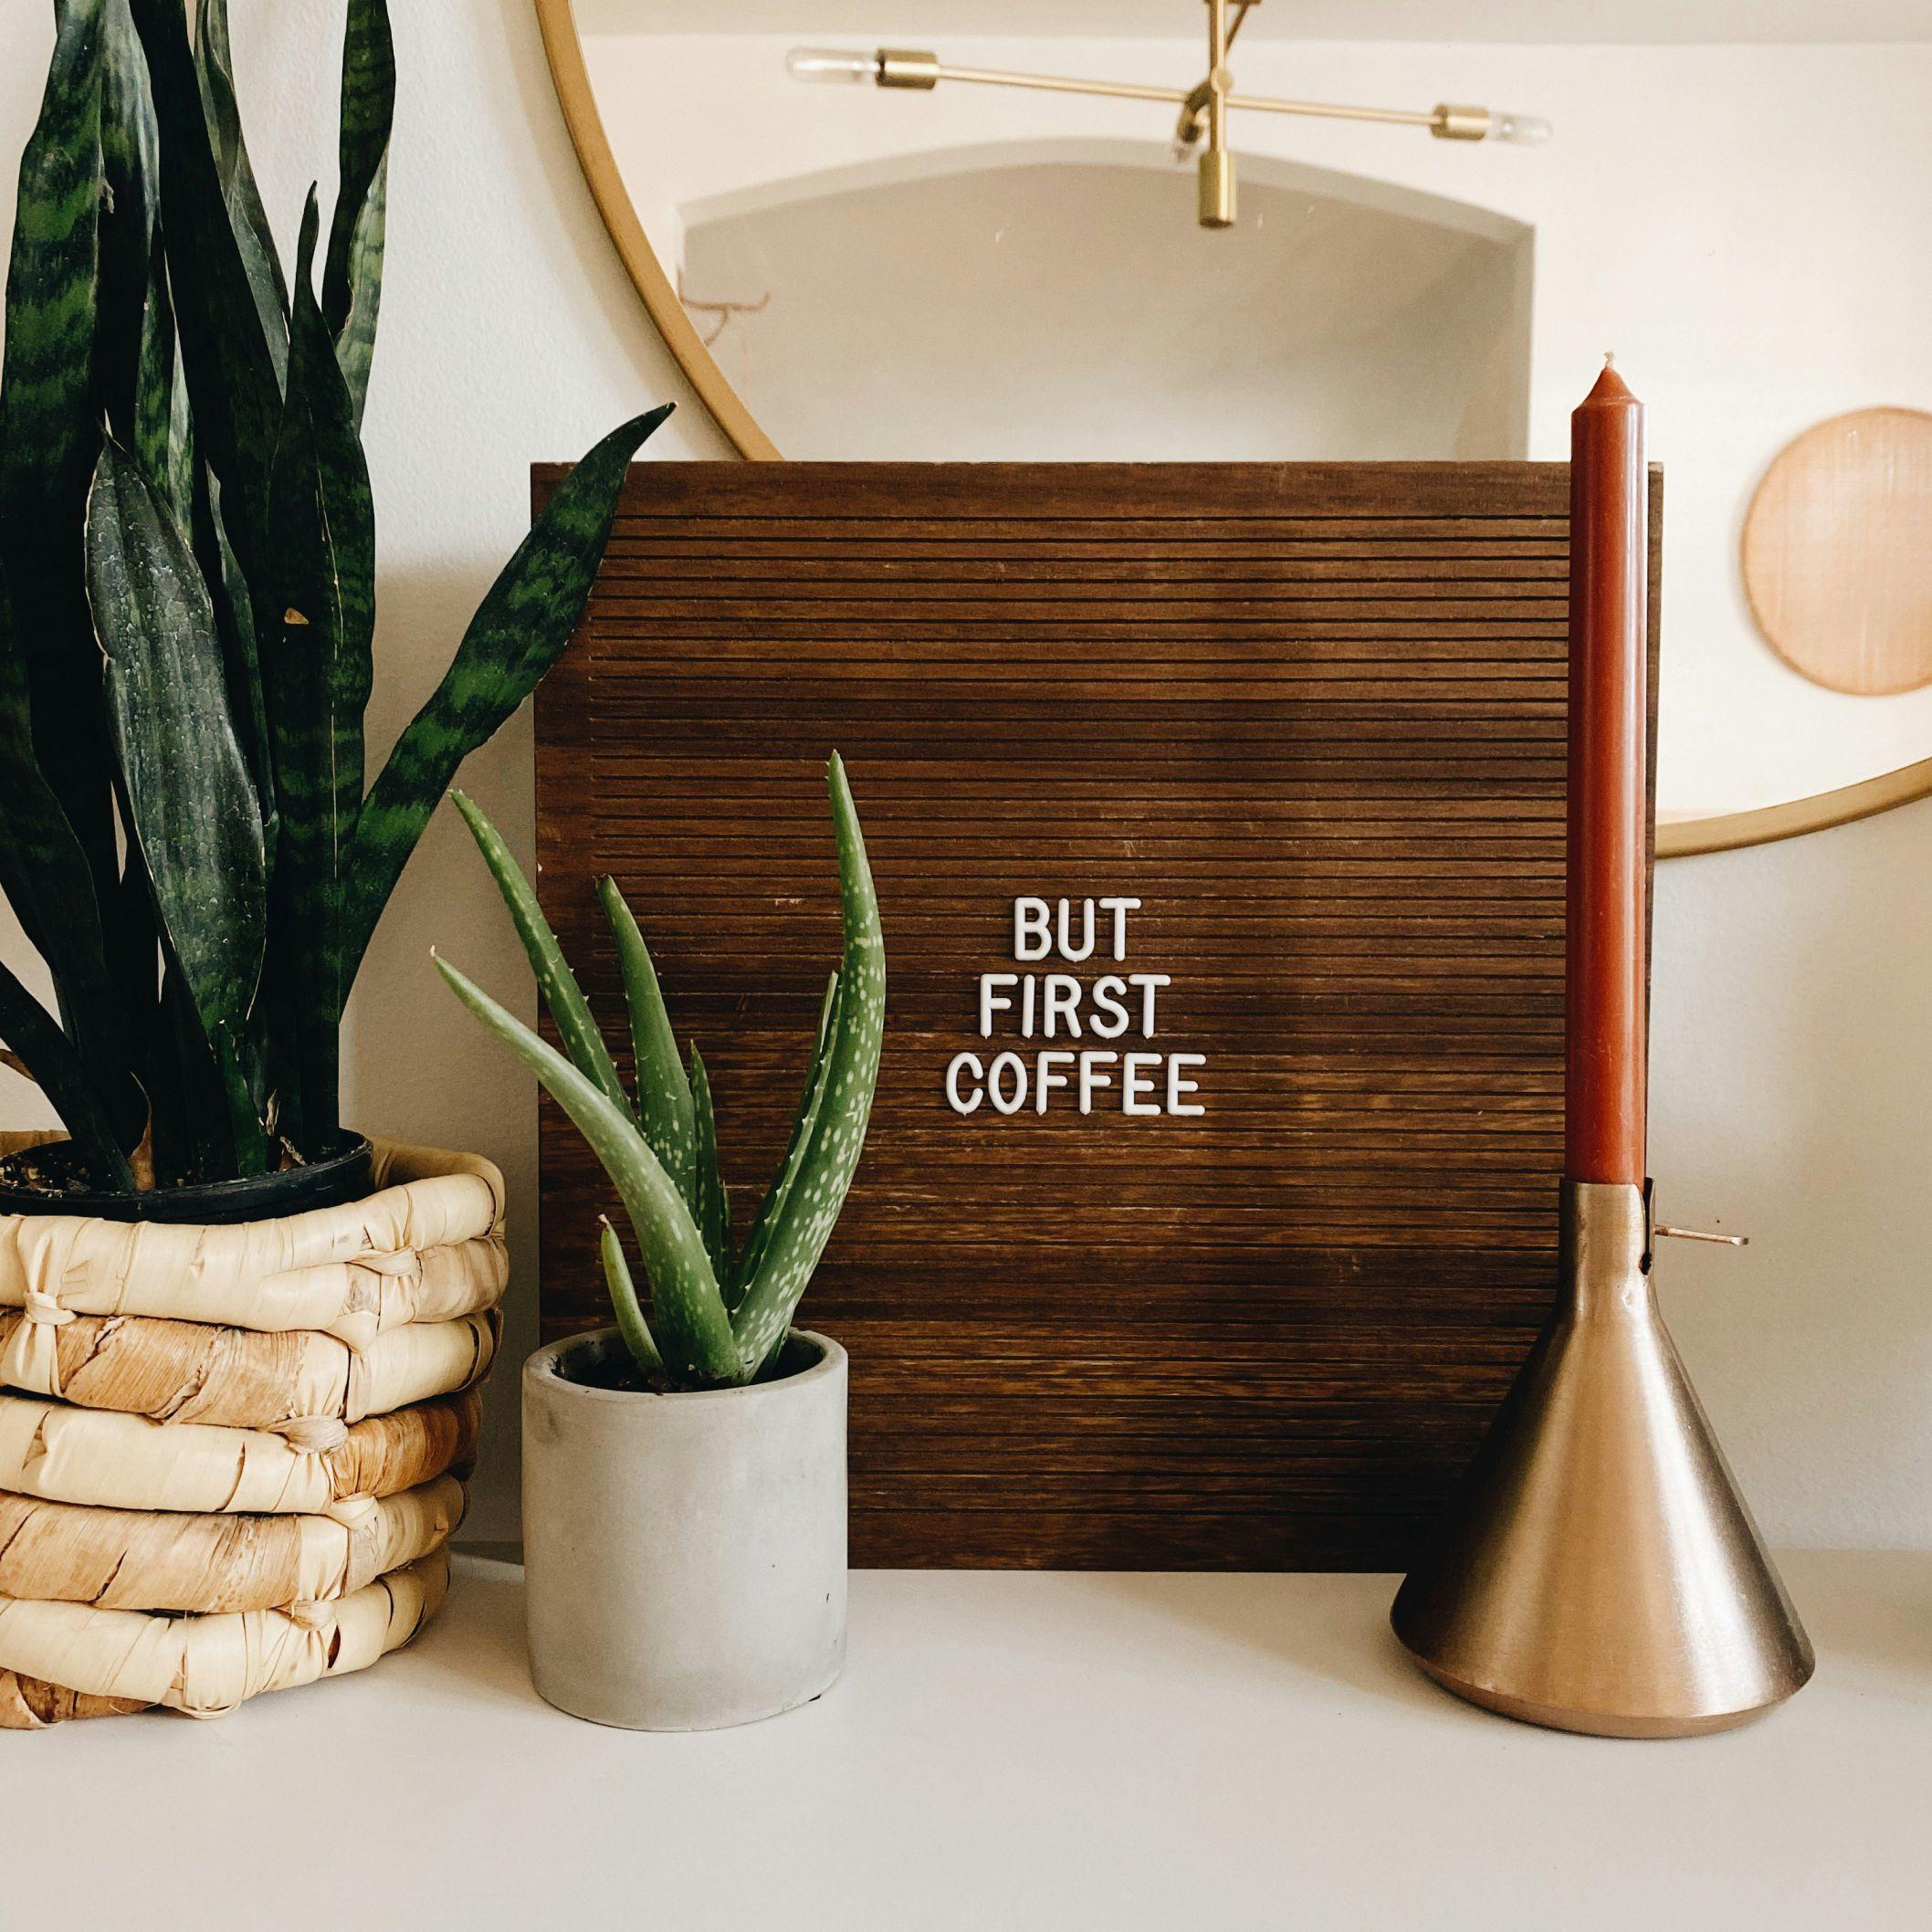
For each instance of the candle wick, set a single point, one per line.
(1610, 359)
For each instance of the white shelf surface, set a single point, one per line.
(1005, 1751)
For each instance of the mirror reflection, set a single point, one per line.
(1730, 199)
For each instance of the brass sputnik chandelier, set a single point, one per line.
(1205, 109)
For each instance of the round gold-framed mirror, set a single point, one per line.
(1749, 713)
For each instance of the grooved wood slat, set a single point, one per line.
(1313, 716)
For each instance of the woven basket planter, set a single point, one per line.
(231, 1456)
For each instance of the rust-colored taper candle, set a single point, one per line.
(1597, 1571)
(1608, 595)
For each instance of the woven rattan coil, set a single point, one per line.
(163, 1561)
(426, 1246)
(96, 1457)
(301, 1384)
(118, 1660)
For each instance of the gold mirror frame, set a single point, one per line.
(1676, 838)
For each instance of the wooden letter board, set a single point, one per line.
(1312, 717)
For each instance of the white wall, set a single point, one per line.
(1744, 225)
(1793, 1035)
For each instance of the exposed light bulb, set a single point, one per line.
(831, 66)
(1528, 131)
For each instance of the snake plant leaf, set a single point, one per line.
(517, 633)
(229, 347)
(630, 1324)
(353, 278)
(50, 430)
(576, 1025)
(339, 574)
(316, 669)
(812, 1205)
(148, 426)
(128, 248)
(47, 1053)
(189, 791)
(663, 1092)
(134, 946)
(45, 877)
(713, 1204)
(691, 1327)
(779, 1193)
(215, 69)
(235, 623)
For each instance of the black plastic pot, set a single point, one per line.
(342, 1176)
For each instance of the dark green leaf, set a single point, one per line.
(225, 340)
(519, 632)
(216, 68)
(235, 623)
(151, 428)
(129, 243)
(315, 673)
(48, 884)
(188, 787)
(352, 280)
(50, 430)
(30, 1031)
(210, 1104)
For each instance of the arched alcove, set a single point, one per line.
(922, 306)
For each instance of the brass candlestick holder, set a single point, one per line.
(1599, 1571)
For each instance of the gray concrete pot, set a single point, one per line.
(685, 1554)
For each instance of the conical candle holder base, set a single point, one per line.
(1599, 1571)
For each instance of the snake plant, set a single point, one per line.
(719, 1309)
(187, 559)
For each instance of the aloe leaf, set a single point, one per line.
(188, 787)
(690, 1326)
(780, 1192)
(713, 1203)
(837, 1138)
(663, 1093)
(47, 1054)
(517, 633)
(230, 348)
(630, 1324)
(576, 1024)
(215, 69)
(352, 278)
(50, 430)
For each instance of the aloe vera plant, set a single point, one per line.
(719, 1309)
(187, 585)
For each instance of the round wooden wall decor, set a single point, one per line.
(1838, 552)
